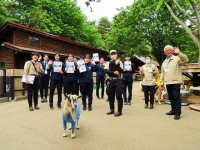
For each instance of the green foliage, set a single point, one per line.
(60, 17)
(143, 29)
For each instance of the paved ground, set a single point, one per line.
(137, 129)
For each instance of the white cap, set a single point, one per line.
(113, 51)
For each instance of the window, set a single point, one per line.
(34, 40)
(2, 65)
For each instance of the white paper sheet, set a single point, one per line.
(96, 57)
(30, 79)
(57, 66)
(81, 63)
(69, 66)
(127, 65)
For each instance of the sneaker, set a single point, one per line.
(73, 134)
(51, 108)
(42, 100)
(31, 109)
(36, 107)
(129, 103)
(125, 103)
(64, 133)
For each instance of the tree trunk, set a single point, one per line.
(199, 52)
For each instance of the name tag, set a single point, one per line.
(150, 69)
(166, 69)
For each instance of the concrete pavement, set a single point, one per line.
(136, 129)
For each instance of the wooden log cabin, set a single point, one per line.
(18, 41)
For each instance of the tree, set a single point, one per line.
(104, 27)
(60, 17)
(143, 30)
(190, 9)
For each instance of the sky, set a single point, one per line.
(105, 8)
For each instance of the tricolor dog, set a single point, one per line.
(71, 114)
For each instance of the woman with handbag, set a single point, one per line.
(31, 70)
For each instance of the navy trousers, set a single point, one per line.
(86, 89)
(100, 81)
(44, 83)
(70, 87)
(53, 85)
(128, 83)
(173, 91)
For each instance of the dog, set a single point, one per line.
(71, 114)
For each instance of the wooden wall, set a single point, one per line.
(22, 39)
(7, 56)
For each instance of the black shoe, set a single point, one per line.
(177, 117)
(170, 113)
(89, 108)
(45, 100)
(42, 100)
(98, 97)
(59, 107)
(102, 96)
(117, 114)
(151, 106)
(146, 106)
(51, 108)
(110, 112)
(84, 108)
(31, 109)
(36, 107)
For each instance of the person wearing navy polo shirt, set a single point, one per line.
(44, 80)
(86, 82)
(57, 70)
(70, 79)
(100, 78)
(127, 76)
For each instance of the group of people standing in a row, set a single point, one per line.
(120, 78)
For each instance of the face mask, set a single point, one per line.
(148, 61)
(113, 57)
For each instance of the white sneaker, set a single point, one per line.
(64, 133)
(73, 135)
(77, 125)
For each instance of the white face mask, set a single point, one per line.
(113, 57)
(148, 61)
